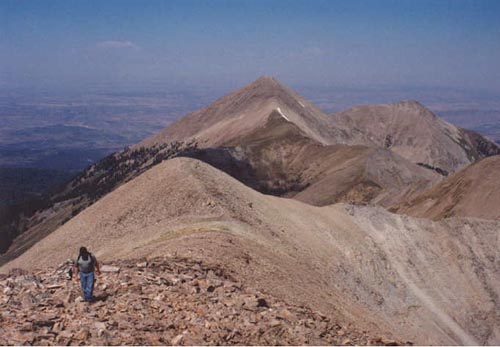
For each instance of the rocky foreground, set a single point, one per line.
(163, 301)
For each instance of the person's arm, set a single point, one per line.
(97, 267)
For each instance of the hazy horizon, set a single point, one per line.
(70, 45)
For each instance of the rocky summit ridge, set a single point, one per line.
(161, 301)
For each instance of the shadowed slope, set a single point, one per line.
(414, 132)
(472, 192)
(385, 272)
(281, 160)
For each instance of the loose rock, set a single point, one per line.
(162, 301)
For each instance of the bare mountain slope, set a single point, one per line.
(414, 132)
(429, 282)
(472, 192)
(278, 158)
(246, 109)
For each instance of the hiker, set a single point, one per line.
(84, 265)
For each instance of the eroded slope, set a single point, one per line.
(279, 159)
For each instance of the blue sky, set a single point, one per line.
(73, 44)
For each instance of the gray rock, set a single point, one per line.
(109, 268)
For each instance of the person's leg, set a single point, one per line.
(84, 278)
(90, 286)
(83, 283)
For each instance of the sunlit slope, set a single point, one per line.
(472, 192)
(415, 133)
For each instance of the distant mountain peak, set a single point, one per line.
(267, 79)
(410, 103)
(267, 87)
(413, 108)
(247, 108)
(413, 131)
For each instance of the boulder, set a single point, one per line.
(109, 268)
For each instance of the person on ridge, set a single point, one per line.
(85, 265)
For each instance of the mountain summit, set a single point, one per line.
(246, 109)
(411, 130)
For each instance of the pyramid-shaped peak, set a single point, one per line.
(266, 79)
(268, 87)
(245, 109)
(267, 82)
